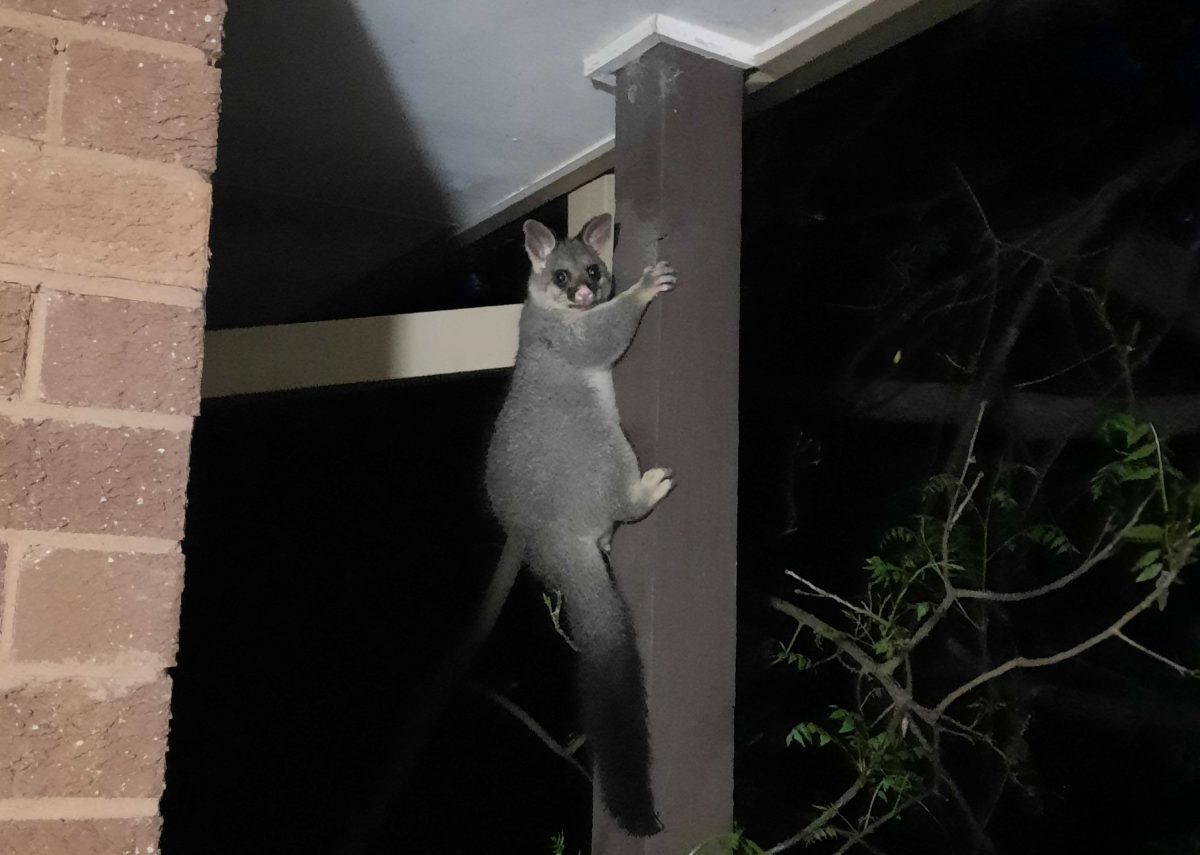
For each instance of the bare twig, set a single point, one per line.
(1162, 476)
(965, 731)
(859, 837)
(555, 612)
(540, 732)
(821, 592)
(1170, 663)
(958, 512)
(956, 509)
(982, 841)
(821, 821)
(962, 477)
(933, 750)
(1063, 371)
(1043, 661)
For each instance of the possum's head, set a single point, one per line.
(569, 274)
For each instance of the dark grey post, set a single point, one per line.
(678, 178)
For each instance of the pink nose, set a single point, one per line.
(584, 295)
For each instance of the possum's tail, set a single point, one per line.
(611, 685)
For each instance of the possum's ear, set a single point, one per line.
(539, 243)
(597, 231)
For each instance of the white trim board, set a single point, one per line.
(360, 350)
(663, 29)
(770, 58)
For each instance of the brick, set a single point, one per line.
(193, 22)
(81, 837)
(88, 606)
(126, 354)
(24, 82)
(16, 301)
(84, 478)
(141, 105)
(81, 213)
(68, 740)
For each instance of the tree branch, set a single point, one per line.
(1170, 663)
(1036, 415)
(821, 821)
(1042, 661)
(859, 837)
(818, 591)
(1088, 563)
(539, 731)
(866, 662)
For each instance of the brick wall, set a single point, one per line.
(108, 115)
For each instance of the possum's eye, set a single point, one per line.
(561, 277)
(593, 272)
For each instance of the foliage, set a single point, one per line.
(733, 843)
(946, 566)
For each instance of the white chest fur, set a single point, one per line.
(600, 381)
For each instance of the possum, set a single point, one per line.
(561, 475)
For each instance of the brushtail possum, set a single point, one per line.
(561, 475)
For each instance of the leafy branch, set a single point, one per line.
(930, 570)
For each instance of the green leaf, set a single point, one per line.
(1146, 533)
(846, 719)
(1138, 453)
(922, 610)
(1150, 572)
(1050, 537)
(1004, 499)
(1148, 558)
(789, 657)
(879, 568)
(943, 483)
(742, 845)
(805, 733)
(1123, 429)
(898, 534)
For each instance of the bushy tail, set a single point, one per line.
(611, 685)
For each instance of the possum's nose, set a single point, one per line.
(584, 296)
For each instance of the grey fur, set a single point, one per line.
(561, 475)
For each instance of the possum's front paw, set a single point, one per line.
(657, 279)
(646, 492)
(655, 485)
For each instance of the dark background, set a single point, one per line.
(338, 540)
